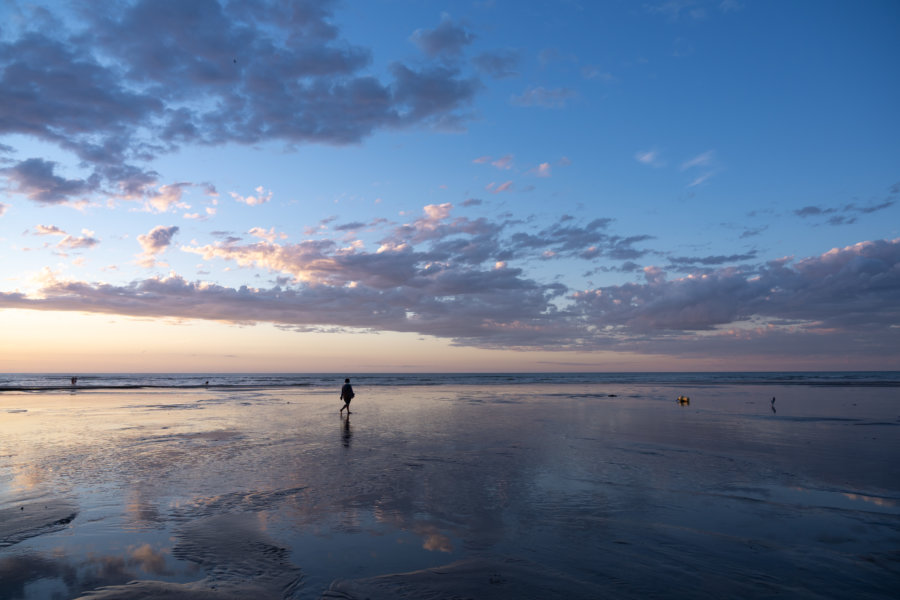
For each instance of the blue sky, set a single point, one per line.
(398, 185)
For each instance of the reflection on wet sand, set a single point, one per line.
(432, 493)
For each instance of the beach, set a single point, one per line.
(537, 490)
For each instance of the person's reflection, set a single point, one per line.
(347, 432)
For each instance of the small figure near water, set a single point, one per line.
(74, 380)
(773, 405)
(346, 395)
(683, 400)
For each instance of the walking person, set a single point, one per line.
(346, 395)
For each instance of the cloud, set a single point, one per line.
(504, 162)
(852, 288)
(719, 259)
(849, 213)
(566, 239)
(700, 179)
(701, 160)
(849, 295)
(3, 208)
(68, 242)
(542, 170)
(594, 72)
(499, 64)
(36, 179)
(431, 96)
(155, 243)
(649, 157)
(495, 188)
(87, 240)
(262, 196)
(223, 73)
(269, 236)
(48, 230)
(704, 160)
(544, 98)
(447, 39)
(166, 197)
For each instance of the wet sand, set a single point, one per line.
(483, 492)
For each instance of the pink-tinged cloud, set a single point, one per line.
(493, 188)
(845, 302)
(504, 163)
(166, 197)
(481, 160)
(270, 235)
(71, 242)
(262, 196)
(542, 170)
(155, 243)
(3, 208)
(48, 230)
(68, 242)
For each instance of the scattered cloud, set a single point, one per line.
(447, 39)
(86, 240)
(649, 157)
(499, 64)
(699, 179)
(36, 179)
(68, 242)
(544, 98)
(701, 160)
(262, 196)
(542, 170)
(833, 297)
(154, 243)
(504, 162)
(167, 197)
(849, 213)
(596, 73)
(48, 230)
(496, 188)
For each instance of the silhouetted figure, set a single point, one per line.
(74, 380)
(346, 395)
(773, 404)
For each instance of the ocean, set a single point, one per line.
(36, 382)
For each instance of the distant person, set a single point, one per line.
(74, 380)
(346, 395)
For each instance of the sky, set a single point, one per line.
(486, 185)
